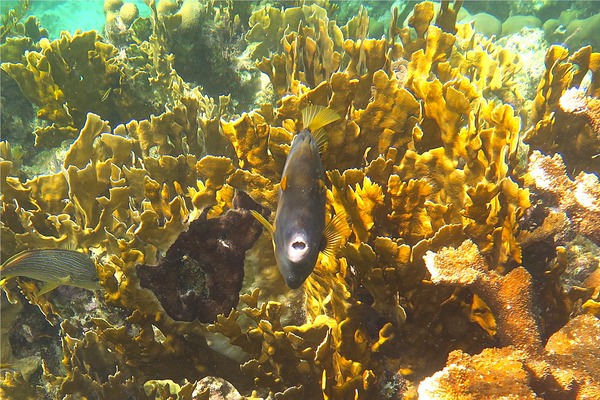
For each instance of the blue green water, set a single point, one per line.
(70, 15)
(84, 15)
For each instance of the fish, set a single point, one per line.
(299, 231)
(54, 267)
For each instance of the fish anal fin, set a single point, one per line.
(336, 231)
(263, 221)
(315, 117)
(47, 287)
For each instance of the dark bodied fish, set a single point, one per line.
(299, 227)
(54, 267)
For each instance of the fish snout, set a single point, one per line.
(298, 259)
(294, 281)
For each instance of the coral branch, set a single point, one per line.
(509, 297)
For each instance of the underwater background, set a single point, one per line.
(141, 135)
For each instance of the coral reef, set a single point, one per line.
(66, 73)
(515, 23)
(206, 40)
(579, 199)
(11, 19)
(580, 32)
(530, 46)
(459, 275)
(568, 125)
(69, 77)
(566, 367)
(575, 102)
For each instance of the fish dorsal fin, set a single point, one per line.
(321, 140)
(263, 222)
(335, 232)
(309, 114)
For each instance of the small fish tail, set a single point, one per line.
(316, 117)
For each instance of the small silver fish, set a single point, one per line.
(54, 267)
(299, 224)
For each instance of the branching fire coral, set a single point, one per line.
(426, 163)
(564, 118)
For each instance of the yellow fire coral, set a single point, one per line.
(568, 126)
(71, 70)
(425, 165)
(446, 160)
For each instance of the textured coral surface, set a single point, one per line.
(471, 266)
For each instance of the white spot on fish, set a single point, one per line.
(297, 248)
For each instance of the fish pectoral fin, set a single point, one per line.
(336, 231)
(47, 287)
(321, 139)
(268, 226)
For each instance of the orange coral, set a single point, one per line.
(494, 373)
(578, 198)
(510, 300)
(509, 297)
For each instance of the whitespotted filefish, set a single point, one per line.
(299, 232)
(54, 267)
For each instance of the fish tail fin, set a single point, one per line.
(315, 117)
(336, 231)
(268, 226)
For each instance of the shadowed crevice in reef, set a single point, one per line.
(202, 272)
